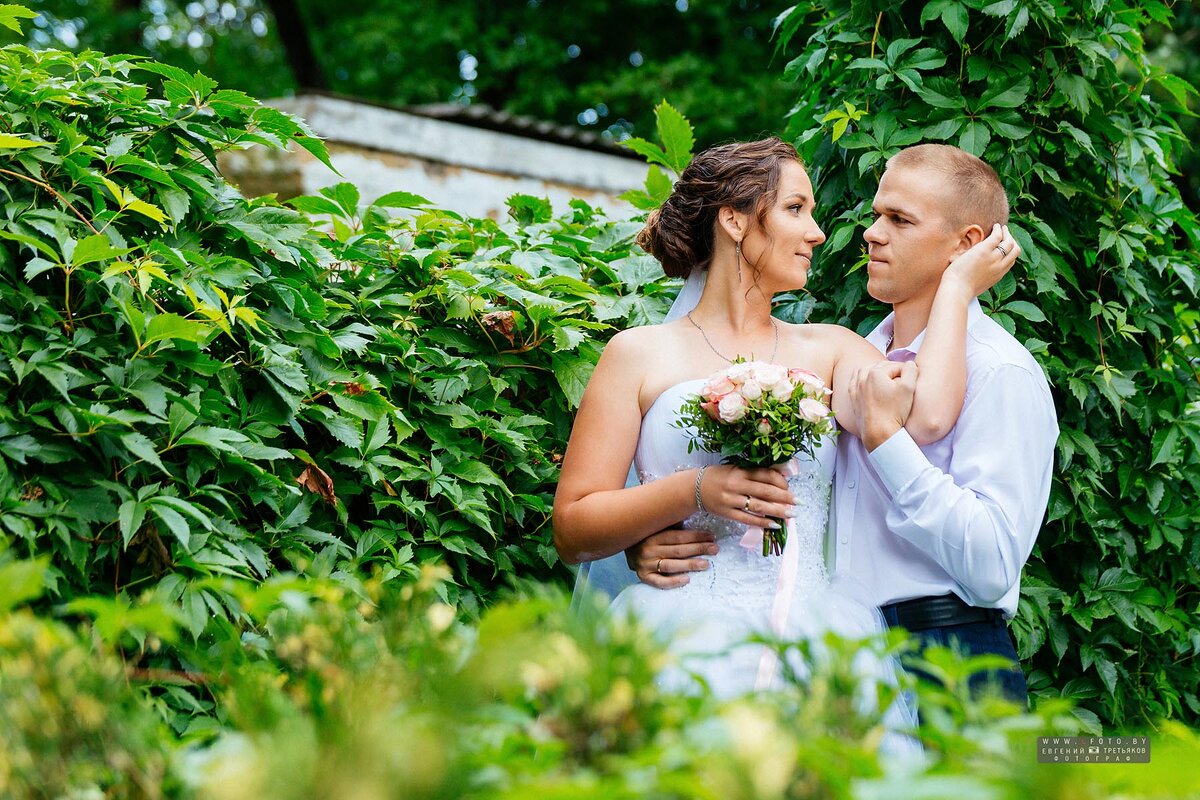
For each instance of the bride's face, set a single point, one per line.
(780, 248)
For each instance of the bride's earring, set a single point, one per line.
(737, 248)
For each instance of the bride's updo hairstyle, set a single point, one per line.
(741, 175)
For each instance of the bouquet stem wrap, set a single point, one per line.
(781, 605)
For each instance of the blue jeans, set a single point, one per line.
(975, 638)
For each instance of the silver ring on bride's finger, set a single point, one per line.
(746, 505)
(658, 567)
(1003, 252)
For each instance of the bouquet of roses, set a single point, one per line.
(757, 414)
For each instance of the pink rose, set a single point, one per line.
(813, 410)
(810, 379)
(710, 408)
(764, 427)
(717, 387)
(732, 407)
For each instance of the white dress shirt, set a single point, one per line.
(959, 515)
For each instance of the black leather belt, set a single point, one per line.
(922, 613)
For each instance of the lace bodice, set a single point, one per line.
(739, 576)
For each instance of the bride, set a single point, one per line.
(739, 223)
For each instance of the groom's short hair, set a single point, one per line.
(976, 196)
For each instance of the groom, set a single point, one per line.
(936, 535)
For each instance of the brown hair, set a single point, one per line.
(742, 175)
(975, 197)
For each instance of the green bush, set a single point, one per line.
(70, 725)
(238, 433)
(1055, 96)
(341, 688)
(197, 385)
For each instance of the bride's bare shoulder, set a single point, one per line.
(643, 342)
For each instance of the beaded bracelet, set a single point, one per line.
(700, 477)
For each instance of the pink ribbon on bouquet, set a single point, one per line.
(785, 587)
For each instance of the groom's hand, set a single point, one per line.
(664, 559)
(882, 397)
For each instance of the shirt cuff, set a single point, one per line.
(898, 461)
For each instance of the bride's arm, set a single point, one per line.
(588, 520)
(942, 378)
(594, 514)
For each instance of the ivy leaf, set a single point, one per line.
(368, 406)
(21, 581)
(312, 204)
(974, 138)
(346, 195)
(1164, 446)
(96, 248)
(1077, 90)
(658, 185)
(143, 448)
(400, 200)
(1001, 96)
(954, 17)
(10, 142)
(1026, 309)
(172, 326)
(529, 210)
(647, 150)
(175, 522)
(572, 374)
(9, 14)
(675, 132)
(1108, 673)
(214, 438)
(130, 517)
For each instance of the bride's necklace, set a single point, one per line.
(774, 351)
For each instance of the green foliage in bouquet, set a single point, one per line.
(197, 385)
(1055, 95)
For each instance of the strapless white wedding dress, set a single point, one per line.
(707, 621)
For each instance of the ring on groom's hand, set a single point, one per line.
(746, 505)
(658, 567)
(1003, 252)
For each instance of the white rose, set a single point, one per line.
(813, 410)
(783, 389)
(751, 389)
(732, 407)
(738, 373)
(769, 374)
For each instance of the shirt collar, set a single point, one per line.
(884, 330)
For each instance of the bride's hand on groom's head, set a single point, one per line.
(989, 260)
(664, 559)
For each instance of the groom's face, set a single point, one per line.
(912, 241)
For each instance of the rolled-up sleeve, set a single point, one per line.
(979, 518)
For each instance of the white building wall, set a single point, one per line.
(463, 168)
